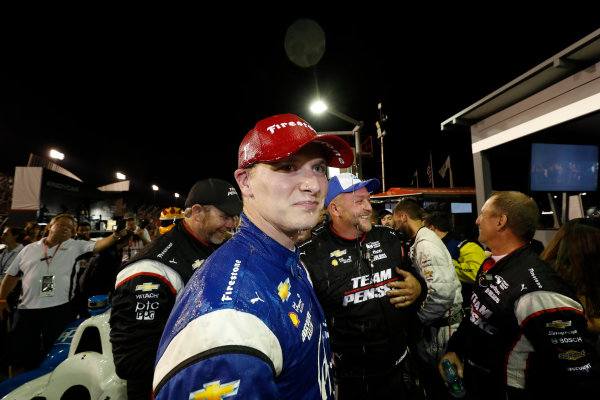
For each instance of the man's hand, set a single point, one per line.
(4, 309)
(119, 234)
(404, 292)
(453, 357)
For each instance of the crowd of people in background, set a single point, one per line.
(346, 299)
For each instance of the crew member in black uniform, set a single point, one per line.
(148, 285)
(369, 292)
(524, 338)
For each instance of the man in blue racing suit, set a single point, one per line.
(248, 324)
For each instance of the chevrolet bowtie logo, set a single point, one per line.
(558, 324)
(337, 253)
(146, 287)
(216, 391)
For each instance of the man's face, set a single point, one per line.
(487, 222)
(84, 230)
(387, 220)
(289, 194)
(130, 224)
(6, 236)
(355, 210)
(401, 222)
(215, 224)
(61, 230)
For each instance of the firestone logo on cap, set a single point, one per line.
(282, 135)
(271, 129)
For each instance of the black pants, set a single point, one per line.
(34, 332)
(401, 382)
(139, 389)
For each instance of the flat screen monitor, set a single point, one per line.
(461, 208)
(563, 167)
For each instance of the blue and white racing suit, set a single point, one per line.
(247, 325)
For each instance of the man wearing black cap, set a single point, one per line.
(386, 218)
(248, 324)
(148, 285)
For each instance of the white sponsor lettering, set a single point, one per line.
(364, 295)
(162, 253)
(570, 340)
(282, 125)
(366, 280)
(324, 378)
(585, 367)
(373, 245)
(502, 284)
(145, 310)
(535, 278)
(374, 287)
(308, 328)
(143, 296)
(479, 315)
(232, 279)
(492, 295)
(379, 256)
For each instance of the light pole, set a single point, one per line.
(318, 107)
(380, 134)
(154, 189)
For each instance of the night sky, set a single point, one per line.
(166, 95)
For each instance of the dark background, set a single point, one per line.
(165, 95)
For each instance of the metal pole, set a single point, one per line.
(344, 117)
(357, 128)
(382, 168)
(358, 157)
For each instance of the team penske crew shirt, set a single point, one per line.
(525, 331)
(368, 334)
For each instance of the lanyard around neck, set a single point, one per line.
(46, 254)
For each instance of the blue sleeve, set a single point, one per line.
(234, 373)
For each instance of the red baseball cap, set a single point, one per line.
(282, 135)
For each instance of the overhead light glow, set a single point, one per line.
(56, 154)
(121, 176)
(318, 107)
(176, 195)
(154, 187)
